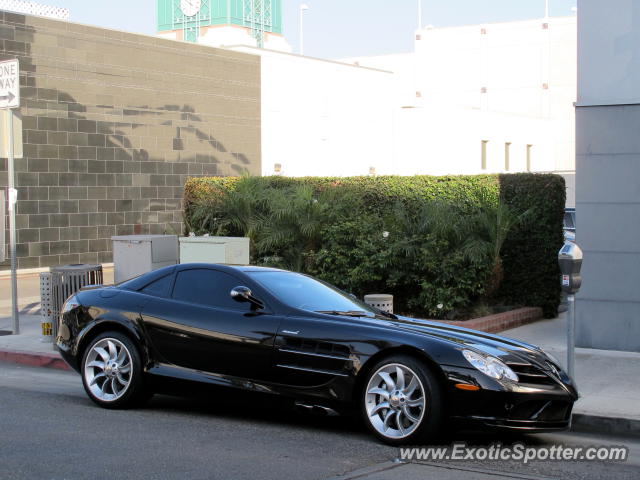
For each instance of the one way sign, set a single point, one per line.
(9, 84)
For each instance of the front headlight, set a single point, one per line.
(489, 365)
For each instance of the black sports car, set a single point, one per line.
(285, 333)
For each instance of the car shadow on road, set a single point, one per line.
(268, 409)
(259, 408)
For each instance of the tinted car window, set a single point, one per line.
(207, 287)
(307, 293)
(160, 287)
(145, 279)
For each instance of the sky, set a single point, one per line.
(337, 28)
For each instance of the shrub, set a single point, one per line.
(530, 254)
(334, 228)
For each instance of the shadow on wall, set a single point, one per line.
(93, 171)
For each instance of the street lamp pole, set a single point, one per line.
(303, 7)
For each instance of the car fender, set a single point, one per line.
(112, 321)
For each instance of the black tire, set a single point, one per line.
(107, 384)
(411, 426)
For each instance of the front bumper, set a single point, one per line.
(539, 407)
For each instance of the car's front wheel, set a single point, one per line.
(112, 372)
(402, 401)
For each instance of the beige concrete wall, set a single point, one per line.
(113, 124)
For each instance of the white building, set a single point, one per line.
(485, 98)
(472, 99)
(321, 117)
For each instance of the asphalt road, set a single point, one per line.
(50, 430)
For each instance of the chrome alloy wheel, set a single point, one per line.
(395, 401)
(107, 369)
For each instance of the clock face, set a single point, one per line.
(190, 7)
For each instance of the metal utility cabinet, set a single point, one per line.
(57, 285)
(134, 255)
(227, 250)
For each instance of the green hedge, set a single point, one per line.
(380, 190)
(343, 243)
(531, 254)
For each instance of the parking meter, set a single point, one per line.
(570, 260)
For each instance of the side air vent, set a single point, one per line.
(322, 348)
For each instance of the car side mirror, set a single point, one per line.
(243, 294)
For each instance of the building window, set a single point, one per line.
(507, 151)
(529, 147)
(483, 154)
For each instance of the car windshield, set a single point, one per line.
(307, 293)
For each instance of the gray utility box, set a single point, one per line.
(227, 250)
(134, 255)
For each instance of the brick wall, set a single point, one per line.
(113, 124)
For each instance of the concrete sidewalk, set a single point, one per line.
(609, 395)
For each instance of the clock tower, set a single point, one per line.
(223, 22)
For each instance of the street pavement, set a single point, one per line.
(51, 430)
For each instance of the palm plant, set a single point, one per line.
(433, 218)
(245, 209)
(485, 234)
(292, 228)
(239, 212)
(424, 240)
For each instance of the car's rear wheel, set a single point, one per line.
(112, 372)
(402, 401)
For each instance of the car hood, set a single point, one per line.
(507, 349)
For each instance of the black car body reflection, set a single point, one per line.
(284, 333)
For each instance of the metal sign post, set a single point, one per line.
(13, 194)
(9, 99)
(2, 226)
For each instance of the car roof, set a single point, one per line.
(220, 266)
(148, 277)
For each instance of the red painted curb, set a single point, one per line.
(500, 321)
(44, 360)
